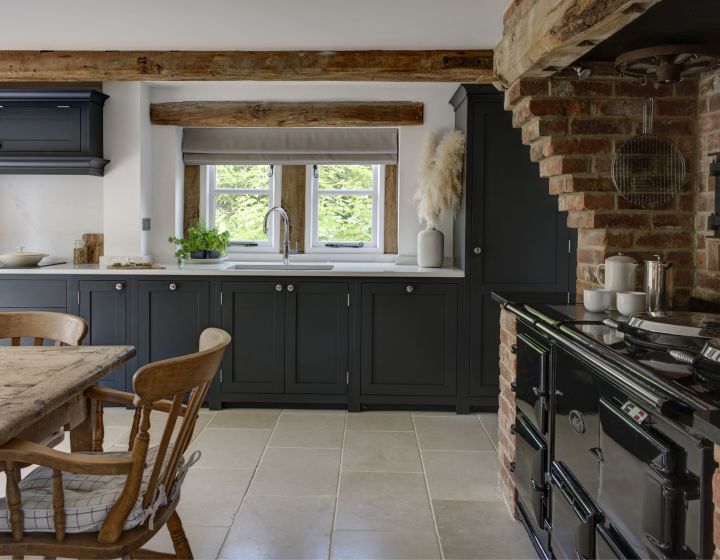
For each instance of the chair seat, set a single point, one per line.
(88, 499)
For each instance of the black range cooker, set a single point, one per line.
(611, 459)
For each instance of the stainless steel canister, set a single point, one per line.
(659, 284)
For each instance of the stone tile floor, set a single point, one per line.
(306, 484)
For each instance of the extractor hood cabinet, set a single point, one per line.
(51, 132)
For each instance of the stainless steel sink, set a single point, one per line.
(281, 266)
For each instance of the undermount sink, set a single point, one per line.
(281, 266)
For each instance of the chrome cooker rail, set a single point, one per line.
(640, 382)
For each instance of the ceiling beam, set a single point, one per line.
(541, 37)
(394, 66)
(287, 114)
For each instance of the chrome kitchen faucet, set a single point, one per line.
(286, 243)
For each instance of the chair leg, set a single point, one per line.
(179, 539)
(99, 429)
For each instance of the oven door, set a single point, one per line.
(529, 469)
(573, 517)
(531, 380)
(637, 493)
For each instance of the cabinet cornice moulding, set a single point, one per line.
(375, 65)
(287, 114)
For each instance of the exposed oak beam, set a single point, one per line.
(542, 37)
(396, 66)
(287, 114)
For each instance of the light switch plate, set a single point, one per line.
(146, 224)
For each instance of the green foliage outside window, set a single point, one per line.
(345, 217)
(242, 214)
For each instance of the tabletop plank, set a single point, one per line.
(35, 380)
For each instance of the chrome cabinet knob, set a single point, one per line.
(409, 289)
(119, 286)
(173, 286)
(477, 250)
(278, 287)
(290, 288)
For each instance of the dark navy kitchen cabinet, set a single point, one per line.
(316, 337)
(51, 131)
(104, 305)
(171, 315)
(288, 337)
(254, 313)
(508, 235)
(409, 337)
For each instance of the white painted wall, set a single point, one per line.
(127, 182)
(47, 213)
(439, 117)
(252, 24)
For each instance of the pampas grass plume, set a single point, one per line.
(440, 187)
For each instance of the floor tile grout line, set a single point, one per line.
(337, 493)
(427, 489)
(247, 488)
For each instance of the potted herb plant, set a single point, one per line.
(201, 242)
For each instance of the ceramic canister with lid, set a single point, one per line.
(619, 275)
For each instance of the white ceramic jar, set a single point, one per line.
(430, 248)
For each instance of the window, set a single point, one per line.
(345, 210)
(238, 198)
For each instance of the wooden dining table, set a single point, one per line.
(42, 390)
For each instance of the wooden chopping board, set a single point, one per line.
(95, 243)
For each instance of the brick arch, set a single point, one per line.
(573, 128)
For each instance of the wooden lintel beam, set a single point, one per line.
(394, 66)
(541, 37)
(287, 113)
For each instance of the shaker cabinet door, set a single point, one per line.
(172, 314)
(253, 312)
(409, 339)
(103, 304)
(316, 338)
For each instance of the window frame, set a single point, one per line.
(208, 201)
(312, 200)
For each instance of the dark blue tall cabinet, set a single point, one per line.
(509, 234)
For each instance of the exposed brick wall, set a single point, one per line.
(506, 410)
(573, 127)
(707, 256)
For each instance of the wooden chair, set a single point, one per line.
(140, 488)
(61, 328)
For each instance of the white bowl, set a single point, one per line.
(596, 300)
(630, 303)
(21, 258)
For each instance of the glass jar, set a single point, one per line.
(80, 252)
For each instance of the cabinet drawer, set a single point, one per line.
(33, 293)
(48, 128)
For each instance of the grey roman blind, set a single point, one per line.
(291, 146)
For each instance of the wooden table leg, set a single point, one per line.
(81, 436)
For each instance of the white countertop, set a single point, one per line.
(380, 270)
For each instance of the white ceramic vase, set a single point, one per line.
(430, 248)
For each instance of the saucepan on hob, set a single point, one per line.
(663, 331)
